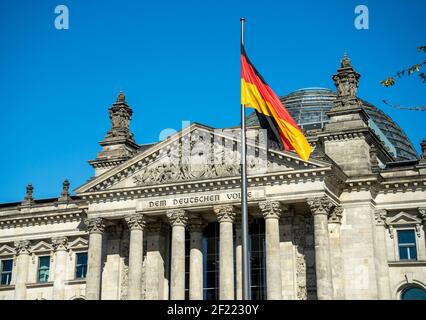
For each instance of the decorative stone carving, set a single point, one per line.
(423, 148)
(422, 214)
(390, 229)
(270, 209)
(346, 79)
(200, 158)
(65, 194)
(418, 230)
(225, 213)
(22, 247)
(60, 244)
(177, 217)
(380, 217)
(336, 215)
(136, 221)
(120, 115)
(28, 200)
(320, 205)
(95, 225)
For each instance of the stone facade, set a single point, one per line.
(331, 224)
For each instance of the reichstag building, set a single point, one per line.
(162, 220)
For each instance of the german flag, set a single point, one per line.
(273, 116)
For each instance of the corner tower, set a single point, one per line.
(118, 144)
(348, 138)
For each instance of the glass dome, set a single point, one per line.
(308, 107)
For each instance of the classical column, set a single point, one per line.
(334, 224)
(238, 258)
(22, 261)
(178, 219)
(288, 255)
(271, 211)
(196, 226)
(156, 263)
(60, 247)
(226, 215)
(381, 258)
(96, 228)
(320, 208)
(136, 224)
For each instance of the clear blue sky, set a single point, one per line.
(177, 61)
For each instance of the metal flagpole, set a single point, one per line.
(244, 209)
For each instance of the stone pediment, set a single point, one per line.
(6, 250)
(42, 246)
(404, 218)
(196, 153)
(78, 243)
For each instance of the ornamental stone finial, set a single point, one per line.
(320, 205)
(270, 209)
(136, 222)
(177, 217)
(121, 98)
(22, 247)
(423, 148)
(29, 200)
(95, 225)
(336, 215)
(65, 194)
(120, 115)
(346, 79)
(225, 213)
(60, 244)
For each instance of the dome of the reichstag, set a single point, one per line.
(308, 107)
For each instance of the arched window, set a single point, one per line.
(413, 293)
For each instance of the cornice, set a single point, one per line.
(275, 178)
(40, 218)
(403, 184)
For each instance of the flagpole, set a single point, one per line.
(244, 210)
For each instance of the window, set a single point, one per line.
(6, 272)
(257, 259)
(210, 249)
(413, 293)
(81, 265)
(43, 268)
(407, 245)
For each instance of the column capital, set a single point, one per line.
(22, 247)
(136, 221)
(422, 214)
(225, 213)
(336, 215)
(60, 243)
(320, 205)
(196, 224)
(380, 217)
(177, 217)
(95, 225)
(271, 209)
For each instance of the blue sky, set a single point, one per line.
(178, 61)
